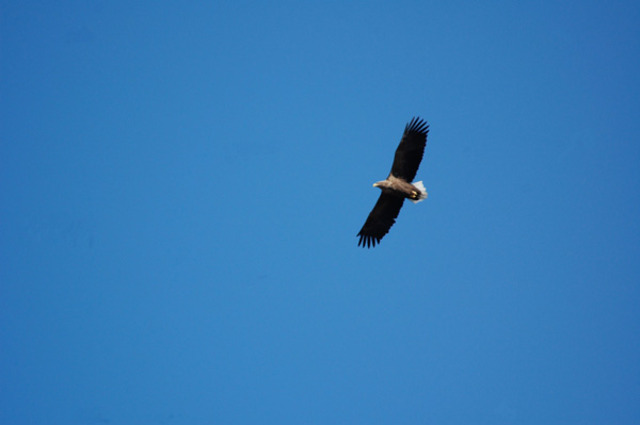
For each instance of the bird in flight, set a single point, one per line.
(397, 185)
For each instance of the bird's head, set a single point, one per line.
(381, 184)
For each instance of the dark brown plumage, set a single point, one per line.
(398, 184)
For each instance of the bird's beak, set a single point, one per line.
(375, 185)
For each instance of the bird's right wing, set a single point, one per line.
(380, 220)
(410, 150)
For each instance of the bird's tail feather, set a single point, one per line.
(423, 192)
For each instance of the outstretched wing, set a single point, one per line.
(410, 150)
(380, 220)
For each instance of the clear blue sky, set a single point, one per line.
(182, 183)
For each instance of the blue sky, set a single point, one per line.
(182, 184)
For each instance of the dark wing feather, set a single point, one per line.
(380, 220)
(410, 150)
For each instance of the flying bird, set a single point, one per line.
(398, 185)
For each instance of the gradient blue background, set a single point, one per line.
(182, 183)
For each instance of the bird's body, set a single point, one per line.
(397, 185)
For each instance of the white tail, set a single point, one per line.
(423, 192)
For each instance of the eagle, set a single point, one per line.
(398, 184)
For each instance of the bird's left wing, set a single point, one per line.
(380, 220)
